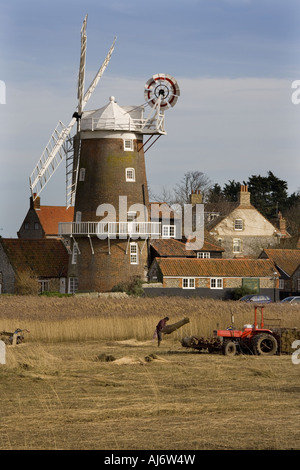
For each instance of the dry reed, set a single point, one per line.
(83, 318)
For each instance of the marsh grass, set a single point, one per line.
(57, 393)
(80, 318)
(59, 396)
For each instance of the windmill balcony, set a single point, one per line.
(146, 126)
(110, 229)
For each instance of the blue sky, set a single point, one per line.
(235, 61)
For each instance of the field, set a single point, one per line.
(89, 376)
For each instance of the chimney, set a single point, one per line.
(35, 202)
(282, 224)
(196, 197)
(244, 196)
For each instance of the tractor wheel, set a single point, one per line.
(229, 348)
(264, 345)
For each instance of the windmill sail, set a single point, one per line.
(54, 151)
(81, 74)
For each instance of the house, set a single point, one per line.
(287, 262)
(171, 248)
(41, 263)
(42, 221)
(244, 231)
(214, 278)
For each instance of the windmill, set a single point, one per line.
(105, 163)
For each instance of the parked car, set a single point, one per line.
(260, 299)
(291, 300)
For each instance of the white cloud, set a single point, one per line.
(227, 128)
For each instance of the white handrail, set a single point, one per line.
(110, 229)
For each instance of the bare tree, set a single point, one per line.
(192, 181)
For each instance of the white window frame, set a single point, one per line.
(44, 285)
(238, 224)
(203, 254)
(128, 145)
(134, 253)
(130, 175)
(237, 245)
(188, 283)
(73, 285)
(131, 216)
(281, 284)
(82, 174)
(168, 231)
(78, 216)
(216, 283)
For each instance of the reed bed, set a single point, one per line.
(54, 319)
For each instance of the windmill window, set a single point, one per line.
(130, 174)
(131, 216)
(82, 174)
(36, 226)
(78, 216)
(134, 259)
(128, 145)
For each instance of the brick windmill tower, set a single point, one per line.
(106, 181)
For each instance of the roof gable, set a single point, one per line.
(50, 216)
(287, 260)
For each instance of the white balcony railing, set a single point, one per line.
(110, 229)
(126, 124)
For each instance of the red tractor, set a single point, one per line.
(251, 339)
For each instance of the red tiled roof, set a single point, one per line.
(216, 267)
(50, 216)
(43, 257)
(286, 259)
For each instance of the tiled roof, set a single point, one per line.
(50, 216)
(216, 267)
(171, 247)
(286, 259)
(176, 248)
(43, 257)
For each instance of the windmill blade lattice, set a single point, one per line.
(54, 151)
